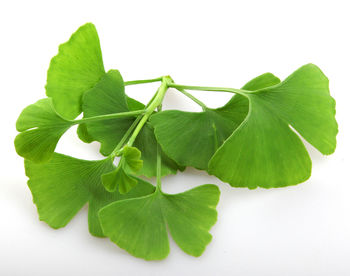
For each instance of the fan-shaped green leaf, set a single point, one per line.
(62, 186)
(264, 151)
(41, 128)
(191, 138)
(139, 225)
(77, 67)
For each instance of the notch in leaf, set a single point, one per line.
(139, 225)
(191, 138)
(62, 186)
(41, 128)
(77, 67)
(264, 151)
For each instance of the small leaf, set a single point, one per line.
(139, 225)
(41, 128)
(77, 67)
(108, 97)
(118, 178)
(132, 158)
(264, 151)
(62, 186)
(192, 138)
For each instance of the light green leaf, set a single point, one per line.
(130, 163)
(62, 186)
(191, 138)
(108, 97)
(118, 178)
(41, 128)
(264, 151)
(139, 225)
(83, 134)
(132, 157)
(77, 67)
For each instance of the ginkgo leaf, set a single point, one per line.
(41, 128)
(132, 157)
(130, 162)
(140, 225)
(83, 133)
(264, 151)
(118, 178)
(191, 138)
(62, 186)
(77, 67)
(108, 97)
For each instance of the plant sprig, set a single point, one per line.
(249, 142)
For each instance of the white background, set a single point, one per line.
(299, 230)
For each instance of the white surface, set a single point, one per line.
(302, 230)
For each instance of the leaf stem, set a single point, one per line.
(109, 116)
(207, 88)
(159, 168)
(126, 135)
(149, 110)
(142, 81)
(193, 98)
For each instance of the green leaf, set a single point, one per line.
(130, 162)
(77, 67)
(62, 186)
(264, 151)
(41, 128)
(132, 157)
(83, 134)
(192, 138)
(140, 225)
(118, 178)
(108, 97)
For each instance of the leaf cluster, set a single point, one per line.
(252, 141)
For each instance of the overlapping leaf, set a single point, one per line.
(62, 186)
(264, 151)
(130, 163)
(140, 225)
(41, 128)
(191, 138)
(77, 67)
(108, 97)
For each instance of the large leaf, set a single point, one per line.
(77, 67)
(264, 151)
(140, 225)
(191, 138)
(108, 97)
(62, 186)
(41, 128)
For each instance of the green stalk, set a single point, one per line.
(109, 116)
(206, 88)
(193, 98)
(142, 81)
(149, 110)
